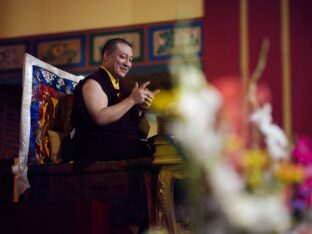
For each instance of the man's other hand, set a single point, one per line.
(149, 99)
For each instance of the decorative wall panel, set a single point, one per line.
(67, 51)
(97, 40)
(165, 40)
(11, 55)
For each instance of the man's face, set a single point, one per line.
(120, 61)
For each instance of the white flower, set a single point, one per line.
(275, 137)
(198, 106)
(265, 214)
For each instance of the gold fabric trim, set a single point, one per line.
(113, 80)
(285, 54)
(244, 42)
(244, 55)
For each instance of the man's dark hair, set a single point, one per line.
(111, 45)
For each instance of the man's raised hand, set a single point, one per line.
(139, 93)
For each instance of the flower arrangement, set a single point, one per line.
(302, 196)
(260, 182)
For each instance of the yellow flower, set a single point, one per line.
(255, 158)
(290, 173)
(253, 178)
(254, 162)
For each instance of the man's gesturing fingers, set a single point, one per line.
(156, 92)
(144, 85)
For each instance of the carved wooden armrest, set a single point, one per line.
(165, 212)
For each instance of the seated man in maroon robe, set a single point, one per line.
(105, 118)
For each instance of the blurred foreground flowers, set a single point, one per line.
(261, 183)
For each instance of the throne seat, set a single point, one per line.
(125, 185)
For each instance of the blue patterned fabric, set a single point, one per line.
(47, 92)
(47, 89)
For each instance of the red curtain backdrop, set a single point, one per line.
(221, 38)
(301, 65)
(222, 51)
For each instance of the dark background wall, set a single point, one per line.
(10, 105)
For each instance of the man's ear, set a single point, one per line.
(106, 56)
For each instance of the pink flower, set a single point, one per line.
(303, 151)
